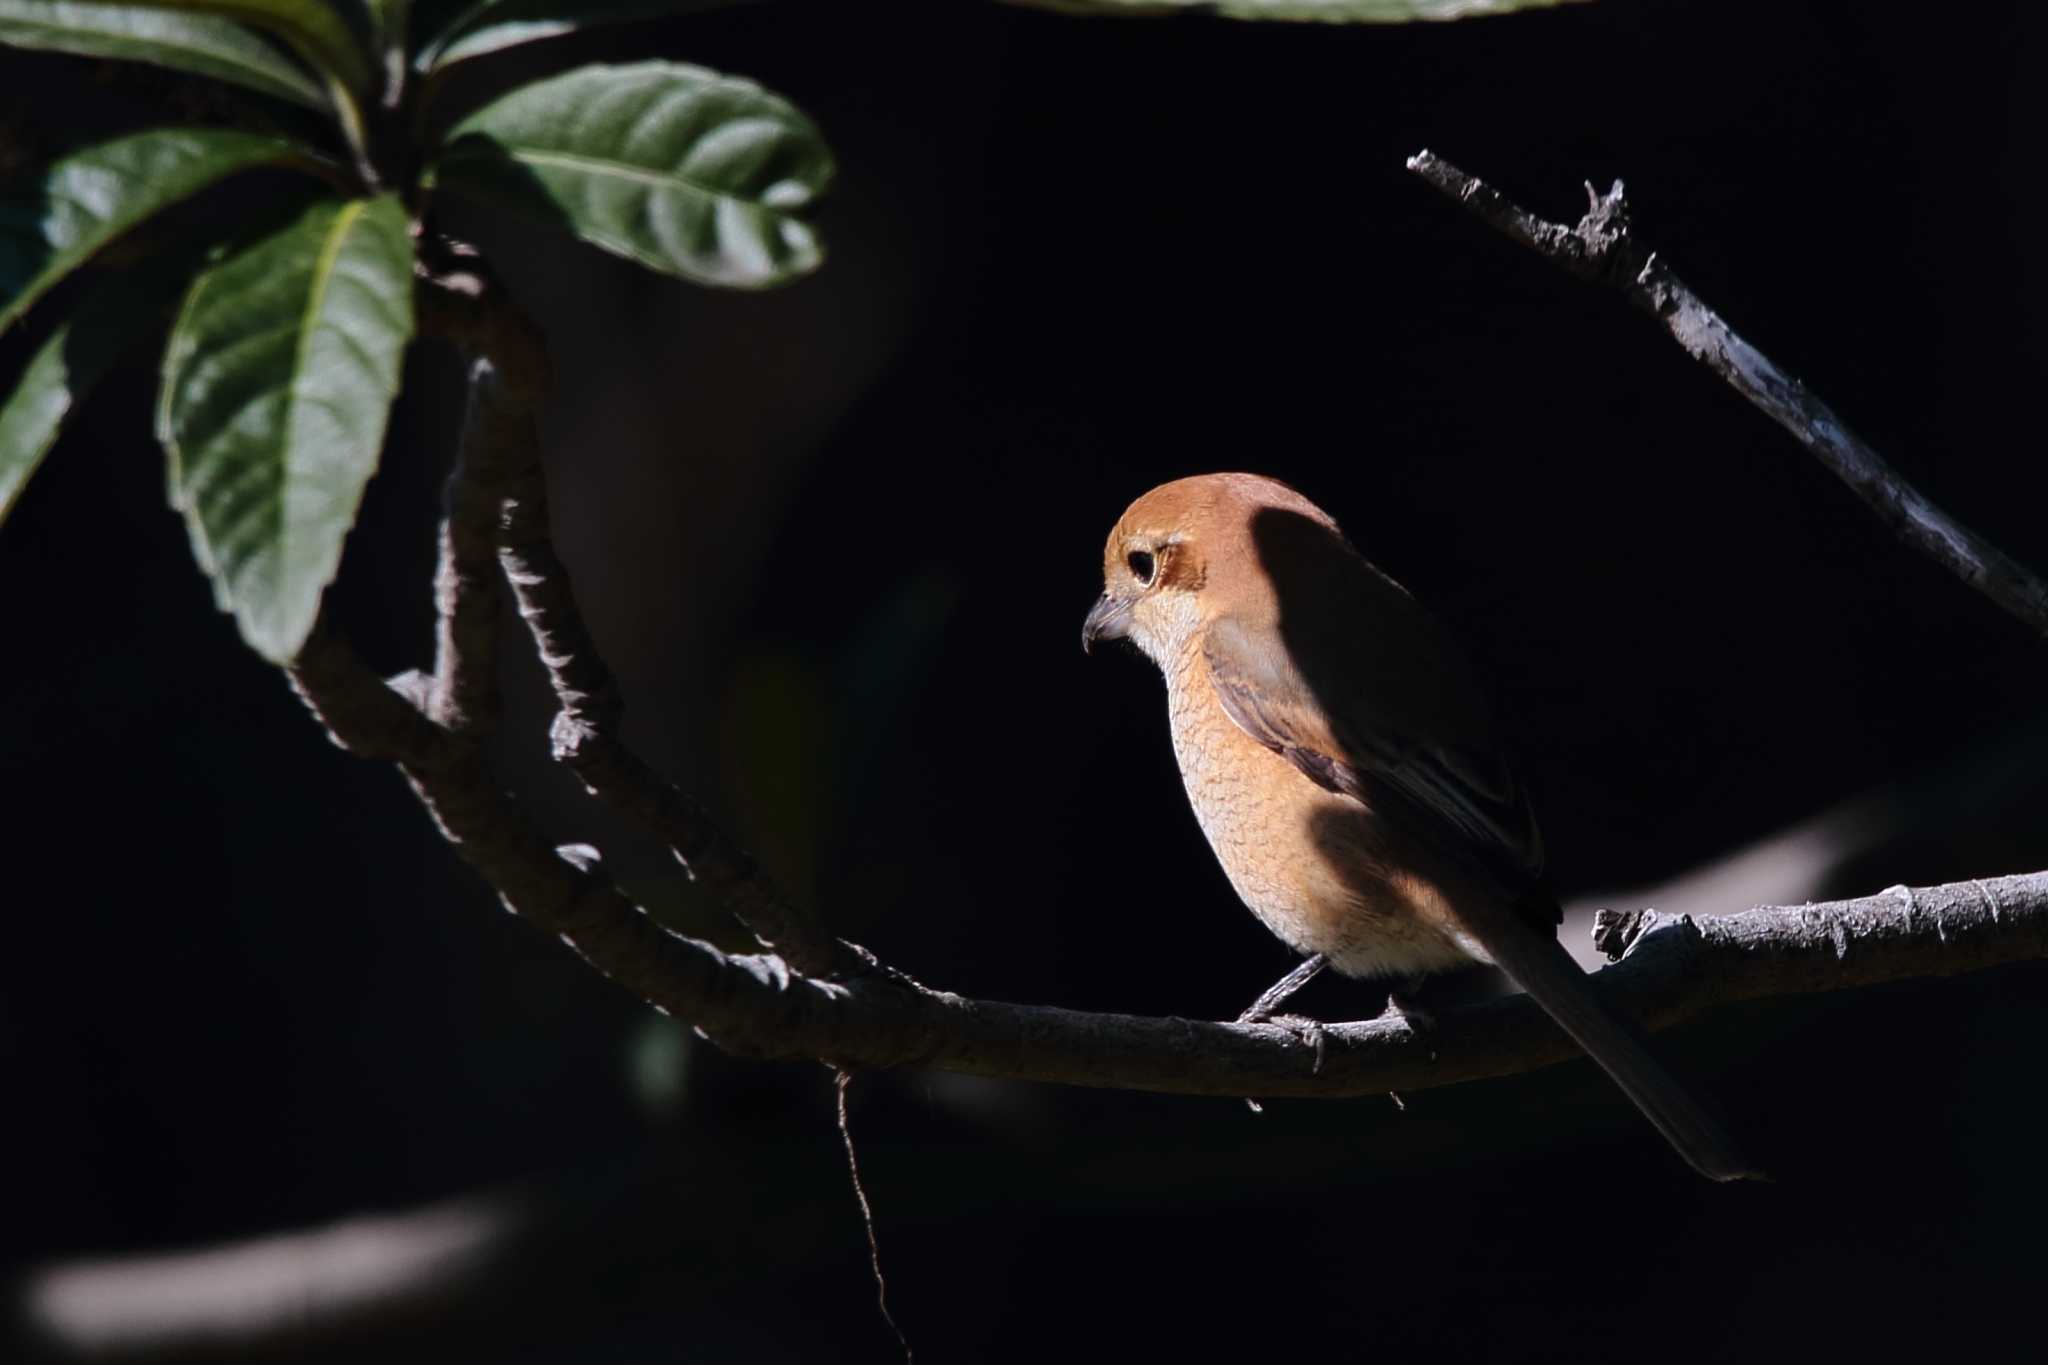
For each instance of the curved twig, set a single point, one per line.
(1601, 248)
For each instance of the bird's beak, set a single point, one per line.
(1108, 619)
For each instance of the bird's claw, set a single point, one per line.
(1300, 1027)
(1310, 1032)
(1303, 1029)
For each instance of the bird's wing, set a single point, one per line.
(1393, 719)
(1391, 722)
(1462, 797)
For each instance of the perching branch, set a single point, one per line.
(1674, 969)
(755, 1005)
(1601, 248)
(841, 1007)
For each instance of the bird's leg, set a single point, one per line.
(1261, 1009)
(1307, 1030)
(1404, 1002)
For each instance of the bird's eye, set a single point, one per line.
(1142, 566)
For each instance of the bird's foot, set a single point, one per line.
(1264, 1008)
(1307, 1031)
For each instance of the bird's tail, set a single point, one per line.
(1539, 965)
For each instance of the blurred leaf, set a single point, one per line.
(314, 29)
(658, 1062)
(277, 385)
(1311, 11)
(87, 199)
(198, 43)
(82, 349)
(494, 25)
(678, 168)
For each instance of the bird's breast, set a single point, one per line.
(1313, 865)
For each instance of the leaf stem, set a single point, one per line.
(349, 114)
(395, 28)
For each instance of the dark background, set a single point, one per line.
(838, 540)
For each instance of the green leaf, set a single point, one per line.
(87, 199)
(1311, 11)
(678, 168)
(277, 385)
(494, 25)
(66, 366)
(312, 28)
(198, 43)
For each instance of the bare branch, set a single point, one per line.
(1676, 969)
(463, 696)
(561, 891)
(1601, 248)
(359, 713)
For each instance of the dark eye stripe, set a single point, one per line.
(1142, 566)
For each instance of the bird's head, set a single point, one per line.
(1183, 554)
